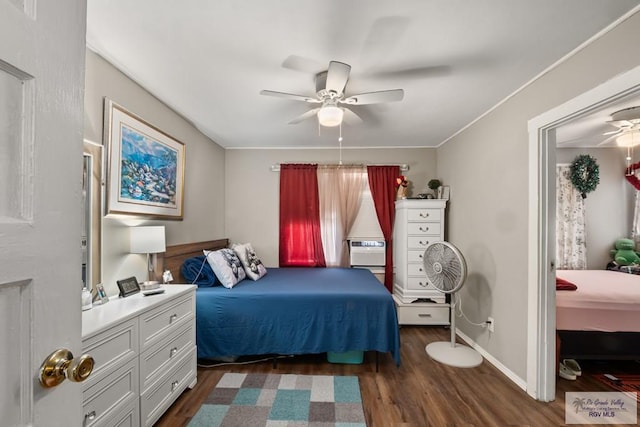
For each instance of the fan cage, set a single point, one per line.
(445, 267)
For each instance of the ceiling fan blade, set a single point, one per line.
(620, 123)
(351, 117)
(304, 116)
(608, 140)
(290, 96)
(375, 97)
(412, 72)
(305, 65)
(337, 76)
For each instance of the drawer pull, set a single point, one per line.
(173, 317)
(174, 385)
(424, 243)
(424, 215)
(173, 351)
(421, 256)
(90, 416)
(424, 315)
(422, 284)
(424, 229)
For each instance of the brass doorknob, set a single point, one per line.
(80, 368)
(61, 365)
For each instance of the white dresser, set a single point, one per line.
(418, 223)
(145, 356)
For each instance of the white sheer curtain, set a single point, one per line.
(571, 247)
(339, 189)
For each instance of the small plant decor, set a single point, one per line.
(434, 184)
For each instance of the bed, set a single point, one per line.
(601, 318)
(292, 311)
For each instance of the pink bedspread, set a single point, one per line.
(607, 301)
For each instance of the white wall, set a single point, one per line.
(252, 193)
(486, 166)
(609, 207)
(204, 203)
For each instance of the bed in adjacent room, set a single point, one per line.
(600, 319)
(293, 311)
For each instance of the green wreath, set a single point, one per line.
(585, 174)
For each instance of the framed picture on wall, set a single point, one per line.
(145, 170)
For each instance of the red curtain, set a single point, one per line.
(382, 183)
(300, 238)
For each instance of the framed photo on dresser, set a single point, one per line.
(444, 192)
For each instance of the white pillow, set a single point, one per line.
(250, 261)
(226, 266)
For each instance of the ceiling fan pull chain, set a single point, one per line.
(340, 144)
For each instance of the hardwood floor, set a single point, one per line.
(421, 392)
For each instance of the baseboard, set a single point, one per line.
(495, 362)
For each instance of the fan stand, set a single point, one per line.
(452, 353)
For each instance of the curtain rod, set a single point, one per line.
(403, 167)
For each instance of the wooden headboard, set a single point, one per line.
(175, 255)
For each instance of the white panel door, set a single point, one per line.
(42, 48)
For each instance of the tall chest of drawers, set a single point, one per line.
(145, 356)
(418, 223)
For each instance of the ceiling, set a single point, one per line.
(209, 60)
(592, 129)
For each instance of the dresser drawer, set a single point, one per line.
(421, 242)
(424, 215)
(420, 282)
(158, 322)
(110, 349)
(424, 228)
(129, 416)
(160, 395)
(416, 270)
(157, 359)
(423, 314)
(109, 396)
(415, 256)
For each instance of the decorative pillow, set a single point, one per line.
(564, 285)
(250, 261)
(227, 267)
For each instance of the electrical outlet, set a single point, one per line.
(491, 324)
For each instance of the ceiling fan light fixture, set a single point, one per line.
(330, 116)
(628, 139)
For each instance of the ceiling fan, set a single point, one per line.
(625, 120)
(333, 108)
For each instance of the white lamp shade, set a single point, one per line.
(147, 240)
(330, 116)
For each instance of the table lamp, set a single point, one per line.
(150, 241)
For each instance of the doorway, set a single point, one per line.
(541, 369)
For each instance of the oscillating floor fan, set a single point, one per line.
(446, 270)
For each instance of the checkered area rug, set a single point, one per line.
(274, 400)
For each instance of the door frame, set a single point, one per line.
(541, 369)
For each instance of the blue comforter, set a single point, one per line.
(297, 311)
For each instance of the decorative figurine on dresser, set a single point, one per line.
(418, 223)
